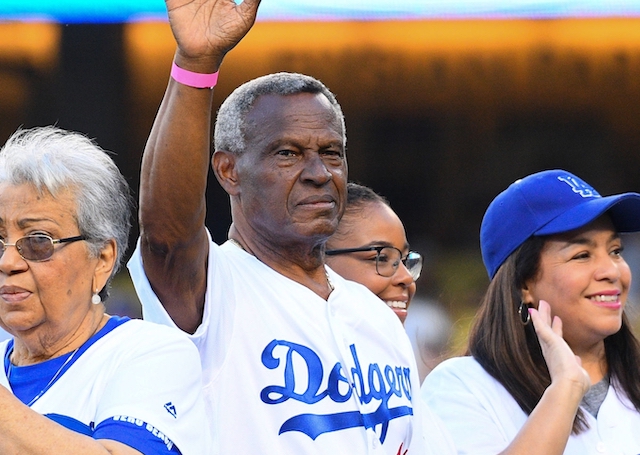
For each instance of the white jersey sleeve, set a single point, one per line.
(479, 413)
(160, 384)
(483, 418)
(137, 372)
(152, 309)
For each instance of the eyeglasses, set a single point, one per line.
(388, 259)
(37, 247)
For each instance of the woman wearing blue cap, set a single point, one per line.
(570, 382)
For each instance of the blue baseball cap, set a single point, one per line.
(544, 203)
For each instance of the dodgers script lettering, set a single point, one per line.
(370, 383)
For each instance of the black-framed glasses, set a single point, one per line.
(37, 247)
(388, 259)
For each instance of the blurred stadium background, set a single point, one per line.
(447, 102)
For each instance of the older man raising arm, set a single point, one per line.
(295, 358)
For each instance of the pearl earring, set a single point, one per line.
(95, 299)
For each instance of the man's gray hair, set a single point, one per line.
(230, 126)
(54, 160)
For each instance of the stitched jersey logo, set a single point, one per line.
(372, 383)
(580, 187)
(171, 409)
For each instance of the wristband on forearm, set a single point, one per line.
(191, 79)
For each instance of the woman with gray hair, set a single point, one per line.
(76, 380)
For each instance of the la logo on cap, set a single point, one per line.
(579, 186)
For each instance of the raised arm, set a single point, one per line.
(176, 157)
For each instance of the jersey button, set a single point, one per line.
(600, 447)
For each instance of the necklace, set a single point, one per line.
(331, 286)
(60, 370)
(51, 381)
(329, 283)
(236, 243)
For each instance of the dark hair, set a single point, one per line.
(511, 353)
(358, 197)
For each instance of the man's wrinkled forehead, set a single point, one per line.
(300, 110)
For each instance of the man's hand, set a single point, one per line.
(207, 29)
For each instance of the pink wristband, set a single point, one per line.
(197, 80)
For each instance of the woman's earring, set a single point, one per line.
(523, 311)
(95, 299)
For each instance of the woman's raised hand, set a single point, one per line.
(562, 363)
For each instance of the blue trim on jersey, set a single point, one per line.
(132, 432)
(137, 434)
(30, 380)
(71, 424)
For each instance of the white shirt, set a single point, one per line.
(287, 372)
(4, 335)
(138, 370)
(483, 418)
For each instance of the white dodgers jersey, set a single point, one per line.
(287, 372)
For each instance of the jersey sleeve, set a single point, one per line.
(213, 315)
(139, 435)
(160, 384)
(152, 309)
(438, 441)
(469, 407)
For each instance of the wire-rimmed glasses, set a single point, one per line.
(37, 247)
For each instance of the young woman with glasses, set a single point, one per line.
(370, 247)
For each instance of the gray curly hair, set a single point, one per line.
(230, 123)
(52, 160)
